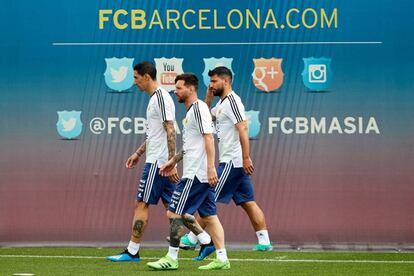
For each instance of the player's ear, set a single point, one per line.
(226, 80)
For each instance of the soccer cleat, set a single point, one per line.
(263, 247)
(205, 250)
(165, 263)
(185, 243)
(216, 265)
(124, 257)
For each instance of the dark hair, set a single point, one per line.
(189, 79)
(146, 67)
(221, 71)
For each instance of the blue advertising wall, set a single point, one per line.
(332, 139)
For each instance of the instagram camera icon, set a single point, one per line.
(317, 73)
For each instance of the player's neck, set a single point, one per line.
(190, 100)
(226, 92)
(152, 87)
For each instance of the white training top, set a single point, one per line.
(196, 123)
(160, 109)
(229, 112)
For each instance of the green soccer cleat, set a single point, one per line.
(263, 247)
(216, 265)
(165, 263)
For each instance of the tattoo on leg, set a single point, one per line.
(191, 223)
(138, 228)
(176, 231)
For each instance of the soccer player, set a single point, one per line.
(195, 191)
(159, 146)
(235, 165)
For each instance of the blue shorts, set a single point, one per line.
(234, 183)
(191, 195)
(153, 186)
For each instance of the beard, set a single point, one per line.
(180, 100)
(218, 92)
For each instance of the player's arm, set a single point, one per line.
(210, 150)
(179, 156)
(209, 97)
(170, 168)
(244, 141)
(170, 130)
(134, 158)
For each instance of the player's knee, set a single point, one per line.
(248, 205)
(209, 219)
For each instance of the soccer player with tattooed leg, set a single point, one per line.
(158, 147)
(195, 191)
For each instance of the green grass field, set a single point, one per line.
(90, 261)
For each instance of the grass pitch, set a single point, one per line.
(91, 261)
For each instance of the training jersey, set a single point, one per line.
(196, 123)
(229, 112)
(160, 109)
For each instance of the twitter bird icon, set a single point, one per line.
(119, 74)
(69, 124)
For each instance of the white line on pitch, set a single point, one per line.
(276, 260)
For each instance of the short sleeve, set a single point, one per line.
(166, 107)
(203, 118)
(236, 111)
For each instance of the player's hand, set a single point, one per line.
(209, 96)
(209, 92)
(212, 176)
(167, 167)
(248, 165)
(132, 161)
(173, 175)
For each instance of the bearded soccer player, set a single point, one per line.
(195, 191)
(235, 165)
(159, 146)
